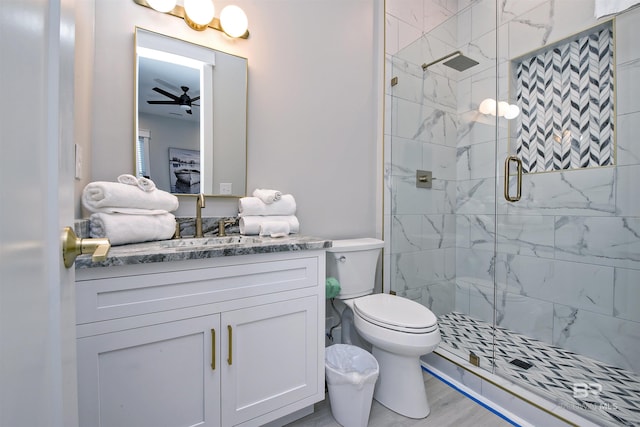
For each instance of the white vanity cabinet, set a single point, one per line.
(154, 375)
(215, 342)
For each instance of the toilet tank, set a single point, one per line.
(353, 262)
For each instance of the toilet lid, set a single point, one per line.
(396, 313)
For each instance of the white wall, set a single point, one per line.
(83, 92)
(314, 116)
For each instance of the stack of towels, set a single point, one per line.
(268, 213)
(131, 210)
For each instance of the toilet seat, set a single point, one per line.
(396, 313)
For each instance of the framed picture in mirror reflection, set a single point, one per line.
(184, 170)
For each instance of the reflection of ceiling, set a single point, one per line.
(169, 77)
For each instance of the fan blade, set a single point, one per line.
(167, 94)
(162, 102)
(195, 99)
(167, 84)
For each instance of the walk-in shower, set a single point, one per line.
(551, 280)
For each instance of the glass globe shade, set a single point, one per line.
(512, 112)
(233, 21)
(502, 108)
(163, 6)
(199, 11)
(488, 106)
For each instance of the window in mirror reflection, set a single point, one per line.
(142, 154)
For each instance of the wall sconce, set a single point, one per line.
(501, 109)
(199, 15)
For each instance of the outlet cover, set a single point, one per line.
(225, 188)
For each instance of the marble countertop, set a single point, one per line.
(206, 247)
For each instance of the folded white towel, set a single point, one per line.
(267, 196)
(145, 184)
(131, 211)
(608, 7)
(122, 229)
(101, 196)
(127, 178)
(254, 206)
(275, 228)
(252, 224)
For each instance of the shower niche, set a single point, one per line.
(565, 93)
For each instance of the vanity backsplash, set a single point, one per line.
(187, 226)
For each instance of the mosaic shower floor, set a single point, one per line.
(604, 394)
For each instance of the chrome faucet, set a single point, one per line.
(199, 205)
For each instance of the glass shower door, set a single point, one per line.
(568, 251)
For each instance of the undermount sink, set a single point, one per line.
(193, 242)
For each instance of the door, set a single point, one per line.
(37, 333)
(269, 358)
(159, 375)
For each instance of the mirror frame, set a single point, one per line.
(207, 130)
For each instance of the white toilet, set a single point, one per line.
(399, 330)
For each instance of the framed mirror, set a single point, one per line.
(190, 116)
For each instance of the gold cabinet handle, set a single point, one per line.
(213, 349)
(518, 163)
(230, 358)
(72, 246)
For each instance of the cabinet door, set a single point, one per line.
(153, 376)
(270, 357)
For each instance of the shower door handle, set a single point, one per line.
(518, 163)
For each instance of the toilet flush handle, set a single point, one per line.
(342, 259)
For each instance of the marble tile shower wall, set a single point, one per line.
(568, 259)
(421, 133)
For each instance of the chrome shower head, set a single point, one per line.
(455, 60)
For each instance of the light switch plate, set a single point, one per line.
(78, 157)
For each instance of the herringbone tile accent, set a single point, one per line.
(565, 96)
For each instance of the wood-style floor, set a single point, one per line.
(448, 408)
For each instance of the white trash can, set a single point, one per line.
(351, 377)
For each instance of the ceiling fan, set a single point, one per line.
(184, 101)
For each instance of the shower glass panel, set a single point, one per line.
(543, 291)
(442, 239)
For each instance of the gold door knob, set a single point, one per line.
(72, 246)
